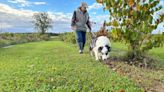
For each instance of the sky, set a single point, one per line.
(16, 15)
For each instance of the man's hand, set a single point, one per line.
(73, 28)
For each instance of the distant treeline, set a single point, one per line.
(71, 37)
(7, 39)
(17, 38)
(51, 34)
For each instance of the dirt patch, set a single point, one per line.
(156, 88)
(152, 80)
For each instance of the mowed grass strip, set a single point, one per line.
(55, 66)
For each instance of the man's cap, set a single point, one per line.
(83, 4)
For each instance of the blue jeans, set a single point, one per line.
(81, 39)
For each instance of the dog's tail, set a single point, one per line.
(104, 25)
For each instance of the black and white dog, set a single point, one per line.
(100, 45)
(100, 48)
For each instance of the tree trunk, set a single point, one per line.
(135, 52)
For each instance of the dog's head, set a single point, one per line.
(104, 52)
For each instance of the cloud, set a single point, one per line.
(99, 19)
(7, 9)
(20, 20)
(61, 21)
(5, 26)
(95, 6)
(25, 3)
(161, 3)
(39, 3)
(93, 13)
(15, 19)
(60, 16)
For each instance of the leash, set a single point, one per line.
(93, 40)
(92, 34)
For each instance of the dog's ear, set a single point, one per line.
(108, 47)
(100, 48)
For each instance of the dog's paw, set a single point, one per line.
(91, 53)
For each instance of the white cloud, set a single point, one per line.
(7, 9)
(24, 3)
(14, 18)
(39, 3)
(99, 19)
(61, 21)
(161, 3)
(5, 26)
(95, 6)
(21, 19)
(60, 16)
(93, 13)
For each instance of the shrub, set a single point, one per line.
(16, 38)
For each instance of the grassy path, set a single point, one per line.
(55, 66)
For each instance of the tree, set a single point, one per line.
(42, 22)
(132, 21)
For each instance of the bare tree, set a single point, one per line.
(42, 22)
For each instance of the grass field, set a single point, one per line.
(55, 66)
(155, 52)
(152, 80)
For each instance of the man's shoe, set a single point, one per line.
(80, 51)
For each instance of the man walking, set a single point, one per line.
(80, 22)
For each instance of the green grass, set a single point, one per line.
(118, 49)
(55, 66)
(147, 78)
(157, 53)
